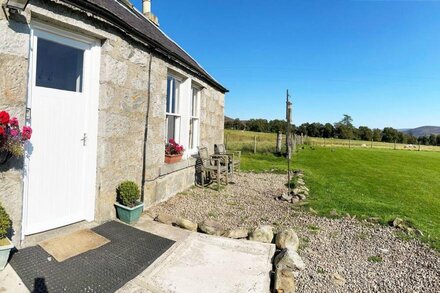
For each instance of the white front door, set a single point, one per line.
(58, 190)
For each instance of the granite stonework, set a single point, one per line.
(123, 104)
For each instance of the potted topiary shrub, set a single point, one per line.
(128, 206)
(5, 244)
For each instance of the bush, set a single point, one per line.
(5, 223)
(128, 193)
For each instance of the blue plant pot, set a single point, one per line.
(4, 254)
(129, 215)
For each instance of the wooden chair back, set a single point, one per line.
(204, 154)
(219, 149)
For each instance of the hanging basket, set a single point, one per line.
(4, 157)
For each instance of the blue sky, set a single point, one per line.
(378, 61)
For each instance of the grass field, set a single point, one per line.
(367, 182)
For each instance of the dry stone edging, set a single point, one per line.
(287, 262)
(236, 233)
(262, 234)
(166, 219)
(299, 193)
(187, 224)
(211, 227)
(287, 239)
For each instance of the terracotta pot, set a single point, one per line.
(171, 159)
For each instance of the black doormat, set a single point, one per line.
(104, 269)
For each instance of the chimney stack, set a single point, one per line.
(146, 10)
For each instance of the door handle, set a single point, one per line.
(84, 139)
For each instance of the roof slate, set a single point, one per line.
(133, 22)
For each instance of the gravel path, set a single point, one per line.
(369, 257)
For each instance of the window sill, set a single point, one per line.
(171, 168)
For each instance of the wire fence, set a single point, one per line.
(258, 142)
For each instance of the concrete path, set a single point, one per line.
(195, 263)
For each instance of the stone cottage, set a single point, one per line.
(103, 89)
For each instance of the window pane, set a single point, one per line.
(194, 102)
(176, 84)
(191, 133)
(172, 95)
(59, 66)
(169, 86)
(171, 127)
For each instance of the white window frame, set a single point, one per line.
(177, 110)
(194, 118)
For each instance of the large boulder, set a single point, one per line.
(290, 260)
(187, 224)
(284, 281)
(287, 239)
(236, 233)
(262, 234)
(166, 219)
(212, 228)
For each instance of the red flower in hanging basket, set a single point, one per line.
(12, 140)
(4, 117)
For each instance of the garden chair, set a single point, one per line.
(213, 167)
(234, 157)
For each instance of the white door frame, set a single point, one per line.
(91, 87)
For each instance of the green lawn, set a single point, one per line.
(367, 182)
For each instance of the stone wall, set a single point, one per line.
(14, 42)
(123, 104)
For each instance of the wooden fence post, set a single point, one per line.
(279, 141)
(371, 143)
(255, 144)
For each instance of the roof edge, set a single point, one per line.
(139, 36)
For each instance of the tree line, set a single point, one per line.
(343, 129)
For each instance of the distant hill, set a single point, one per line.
(423, 130)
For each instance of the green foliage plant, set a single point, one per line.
(5, 223)
(128, 193)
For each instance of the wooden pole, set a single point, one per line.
(255, 144)
(371, 143)
(279, 141)
(288, 137)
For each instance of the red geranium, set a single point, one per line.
(12, 140)
(26, 133)
(173, 148)
(4, 117)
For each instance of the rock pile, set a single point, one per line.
(287, 263)
(299, 193)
